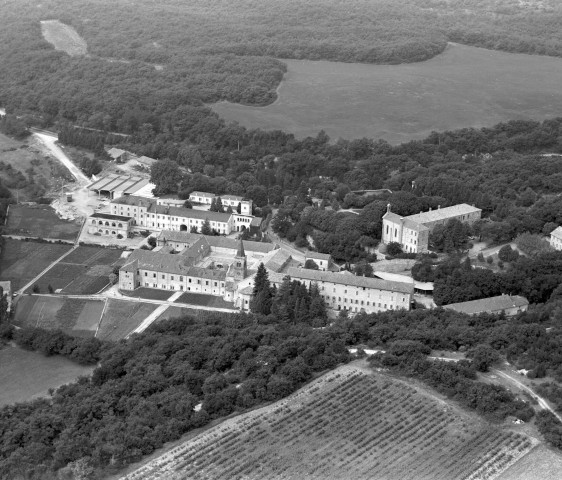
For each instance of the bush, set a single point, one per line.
(507, 254)
(119, 236)
(394, 248)
(151, 241)
(490, 260)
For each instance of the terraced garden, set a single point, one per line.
(347, 424)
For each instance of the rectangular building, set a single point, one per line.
(412, 231)
(556, 239)
(345, 291)
(509, 304)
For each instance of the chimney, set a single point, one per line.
(388, 208)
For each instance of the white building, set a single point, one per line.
(205, 198)
(556, 238)
(323, 260)
(147, 213)
(412, 232)
(106, 224)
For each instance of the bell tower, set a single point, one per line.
(240, 264)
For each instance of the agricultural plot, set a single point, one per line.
(39, 221)
(74, 316)
(121, 317)
(204, 300)
(347, 424)
(85, 271)
(22, 261)
(149, 293)
(179, 312)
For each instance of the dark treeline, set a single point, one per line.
(145, 391)
(536, 278)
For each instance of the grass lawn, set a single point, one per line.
(149, 293)
(462, 87)
(74, 316)
(204, 300)
(542, 463)
(121, 317)
(39, 221)
(26, 375)
(84, 271)
(21, 261)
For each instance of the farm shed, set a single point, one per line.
(116, 186)
(510, 304)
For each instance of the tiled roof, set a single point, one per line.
(168, 263)
(490, 305)
(408, 223)
(352, 280)
(108, 216)
(277, 260)
(135, 201)
(214, 241)
(443, 213)
(234, 198)
(127, 184)
(318, 256)
(202, 194)
(557, 233)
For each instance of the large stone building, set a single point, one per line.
(226, 268)
(205, 198)
(355, 293)
(412, 232)
(509, 304)
(146, 212)
(107, 224)
(556, 238)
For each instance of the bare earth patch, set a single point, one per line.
(350, 423)
(63, 37)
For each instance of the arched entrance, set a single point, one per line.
(183, 228)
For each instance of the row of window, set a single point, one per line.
(180, 278)
(163, 287)
(363, 302)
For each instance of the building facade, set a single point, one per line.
(107, 224)
(556, 238)
(412, 231)
(146, 212)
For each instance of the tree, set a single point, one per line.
(262, 293)
(311, 264)
(187, 204)
(206, 228)
(166, 175)
(50, 288)
(151, 241)
(35, 288)
(507, 254)
(193, 229)
(483, 357)
(393, 249)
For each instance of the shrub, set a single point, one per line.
(119, 236)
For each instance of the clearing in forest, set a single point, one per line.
(350, 423)
(63, 37)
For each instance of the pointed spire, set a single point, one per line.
(241, 252)
(388, 208)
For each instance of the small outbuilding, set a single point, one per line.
(109, 225)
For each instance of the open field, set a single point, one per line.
(74, 316)
(63, 37)
(21, 261)
(26, 375)
(203, 300)
(84, 271)
(39, 221)
(121, 317)
(175, 312)
(347, 424)
(462, 87)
